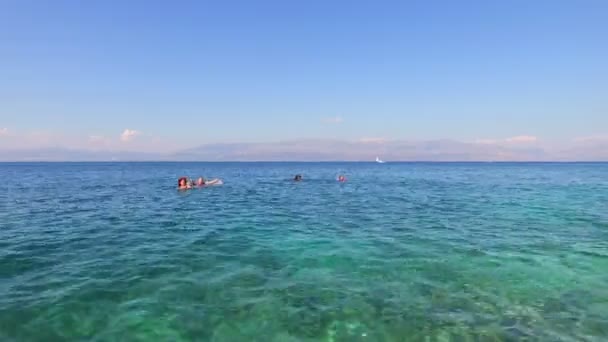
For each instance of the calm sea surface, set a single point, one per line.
(401, 252)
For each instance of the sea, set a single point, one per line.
(399, 252)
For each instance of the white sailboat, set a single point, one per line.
(379, 161)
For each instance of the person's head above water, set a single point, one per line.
(182, 183)
(297, 178)
(200, 181)
(341, 178)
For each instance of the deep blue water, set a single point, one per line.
(401, 252)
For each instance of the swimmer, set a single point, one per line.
(200, 182)
(183, 183)
(297, 178)
(341, 178)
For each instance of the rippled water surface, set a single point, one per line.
(401, 252)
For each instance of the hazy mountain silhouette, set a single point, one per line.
(332, 150)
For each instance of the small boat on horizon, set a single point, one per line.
(379, 161)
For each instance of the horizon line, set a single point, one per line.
(309, 161)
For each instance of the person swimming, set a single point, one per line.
(183, 183)
(200, 182)
(297, 178)
(341, 178)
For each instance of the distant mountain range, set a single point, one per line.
(330, 150)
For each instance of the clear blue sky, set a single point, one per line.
(268, 70)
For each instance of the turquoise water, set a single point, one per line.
(401, 252)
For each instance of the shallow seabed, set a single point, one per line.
(401, 252)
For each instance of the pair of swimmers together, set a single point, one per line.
(298, 178)
(184, 183)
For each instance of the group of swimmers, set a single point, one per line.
(185, 183)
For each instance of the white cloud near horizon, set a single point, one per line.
(333, 120)
(129, 134)
(522, 139)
